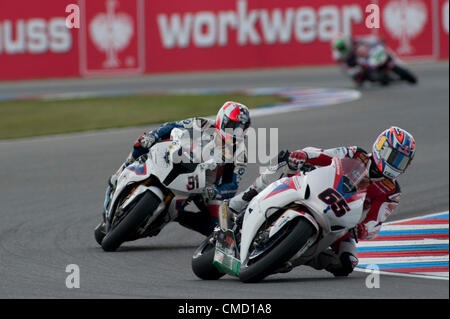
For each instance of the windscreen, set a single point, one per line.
(354, 175)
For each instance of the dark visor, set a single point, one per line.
(396, 159)
(233, 125)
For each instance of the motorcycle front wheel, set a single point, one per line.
(202, 261)
(129, 224)
(295, 237)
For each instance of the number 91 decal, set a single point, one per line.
(193, 183)
(335, 200)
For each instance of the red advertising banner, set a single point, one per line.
(204, 34)
(34, 40)
(119, 37)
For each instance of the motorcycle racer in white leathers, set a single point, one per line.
(391, 154)
(223, 137)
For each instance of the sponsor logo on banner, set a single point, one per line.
(249, 26)
(35, 36)
(112, 39)
(405, 20)
(247, 33)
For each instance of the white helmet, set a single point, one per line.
(232, 121)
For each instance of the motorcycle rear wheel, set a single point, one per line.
(202, 261)
(145, 206)
(278, 254)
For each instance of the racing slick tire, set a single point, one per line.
(202, 261)
(296, 236)
(405, 74)
(126, 227)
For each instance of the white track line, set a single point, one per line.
(419, 217)
(415, 227)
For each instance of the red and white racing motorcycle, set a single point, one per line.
(287, 224)
(380, 64)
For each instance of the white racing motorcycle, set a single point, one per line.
(383, 66)
(145, 198)
(287, 224)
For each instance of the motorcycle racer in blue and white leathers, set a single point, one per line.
(224, 136)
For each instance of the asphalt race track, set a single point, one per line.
(52, 191)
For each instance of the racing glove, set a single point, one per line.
(361, 231)
(146, 141)
(248, 196)
(297, 159)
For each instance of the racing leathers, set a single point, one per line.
(222, 179)
(381, 200)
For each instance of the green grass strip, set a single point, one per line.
(42, 117)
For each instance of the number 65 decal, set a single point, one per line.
(335, 200)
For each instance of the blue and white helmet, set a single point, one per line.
(393, 151)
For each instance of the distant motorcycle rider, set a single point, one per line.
(391, 155)
(225, 134)
(348, 52)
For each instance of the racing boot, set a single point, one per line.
(239, 203)
(326, 259)
(340, 265)
(346, 246)
(347, 263)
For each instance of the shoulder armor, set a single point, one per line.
(204, 123)
(187, 123)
